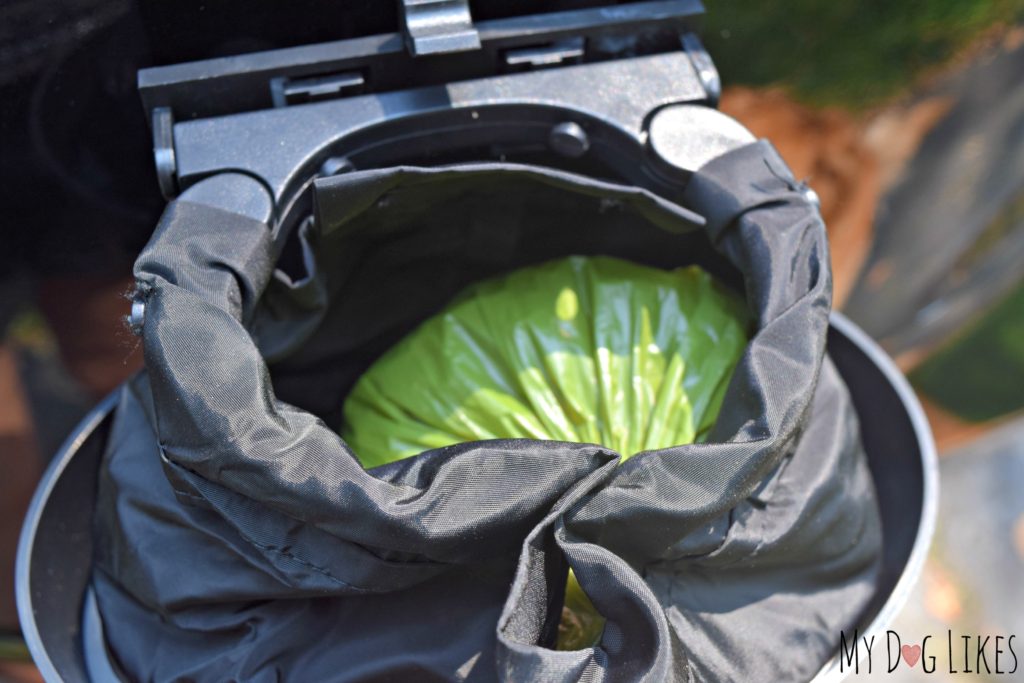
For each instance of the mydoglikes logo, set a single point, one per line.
(967, 653)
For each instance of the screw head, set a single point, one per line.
(811, 196)
(335, 165)
(137, 318)
(569, 140)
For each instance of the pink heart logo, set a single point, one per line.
(911, 654)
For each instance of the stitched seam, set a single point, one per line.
(284, 553)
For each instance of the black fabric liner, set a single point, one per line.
(239, 539)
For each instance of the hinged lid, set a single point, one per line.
(436, 42)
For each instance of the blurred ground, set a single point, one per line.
(924, 202)
(972, 583)
(63, 351)
(932, 264)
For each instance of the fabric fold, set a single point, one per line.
(239, 539)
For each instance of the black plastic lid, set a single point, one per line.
(189, 30)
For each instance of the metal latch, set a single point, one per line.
(285, 91)
(438, 26)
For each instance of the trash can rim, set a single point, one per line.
(23, 563)
(830, 672)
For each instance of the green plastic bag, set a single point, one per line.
(585, 349)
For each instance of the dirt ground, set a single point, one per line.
(848, 160)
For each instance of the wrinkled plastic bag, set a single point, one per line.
(595, 350)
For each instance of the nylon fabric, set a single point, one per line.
(238, 538)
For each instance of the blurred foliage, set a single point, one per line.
(29, 329)
(853, 54)
(12, 649)
(978, 374)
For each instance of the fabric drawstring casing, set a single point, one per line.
(239, 539)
